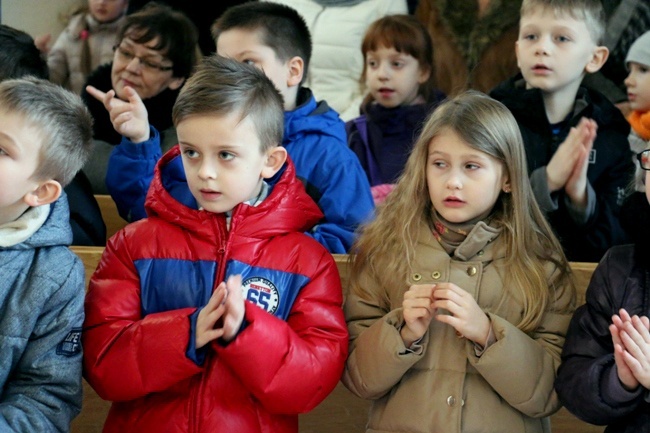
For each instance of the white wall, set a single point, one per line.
(36, 17)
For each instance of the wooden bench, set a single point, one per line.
(111, 217)
(341, 411)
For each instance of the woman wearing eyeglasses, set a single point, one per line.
(155, 53)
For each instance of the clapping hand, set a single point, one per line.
(631, 338)
(568, 167)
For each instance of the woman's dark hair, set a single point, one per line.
(177, 35)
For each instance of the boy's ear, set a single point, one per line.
(47, 192)
(598, 59)
(275, 158)
(296, 68)
(176, 83)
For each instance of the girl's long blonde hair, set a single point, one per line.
(386, 245)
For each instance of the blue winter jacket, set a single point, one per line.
(42, 291)
(315, 139)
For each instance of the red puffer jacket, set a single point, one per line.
(155, 275)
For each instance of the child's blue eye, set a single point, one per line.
(529, 37)
(563, 39)
(190, 153)
(472, 166)
(226, 156)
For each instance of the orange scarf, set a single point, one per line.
(640, 122)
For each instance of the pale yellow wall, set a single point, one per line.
(36, 17)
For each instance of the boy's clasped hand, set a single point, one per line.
(223, 315)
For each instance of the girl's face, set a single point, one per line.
(106, 11)
(394, 78)
(638, 87)
(464, 183)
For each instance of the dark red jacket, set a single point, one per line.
(143, 301)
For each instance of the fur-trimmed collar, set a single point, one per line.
(473, 37)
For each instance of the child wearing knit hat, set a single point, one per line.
(638, 93)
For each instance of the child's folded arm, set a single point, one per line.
(127, 356)
(343, 196)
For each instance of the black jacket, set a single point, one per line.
(610, 167)
(587, 382)
(88, 227)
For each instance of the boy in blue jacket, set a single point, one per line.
(45, 137)
(275, 39)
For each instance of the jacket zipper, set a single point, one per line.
(196, 401)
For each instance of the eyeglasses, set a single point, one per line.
(644, 159)
(126, 56)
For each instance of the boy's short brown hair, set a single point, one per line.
(63, 122)
(221, 86)
(589, 11)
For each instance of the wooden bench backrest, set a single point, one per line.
(341, 411)
(111, 217)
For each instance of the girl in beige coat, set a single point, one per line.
(460, 293)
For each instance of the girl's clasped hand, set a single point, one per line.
(447, 303)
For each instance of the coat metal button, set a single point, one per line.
(417, 277)
(451, 401)
(471, 271)
(435, 275)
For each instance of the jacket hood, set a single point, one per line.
(55, 230)
(310, 118)
(527, 105)
(287, 209)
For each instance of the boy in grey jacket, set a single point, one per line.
(45, 137)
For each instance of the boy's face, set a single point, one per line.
(246, 46)
(554, 52)
(19, 155)
(222, 160)
(638, 87)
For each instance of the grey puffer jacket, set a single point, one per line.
(587, 381)
(41, 313)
